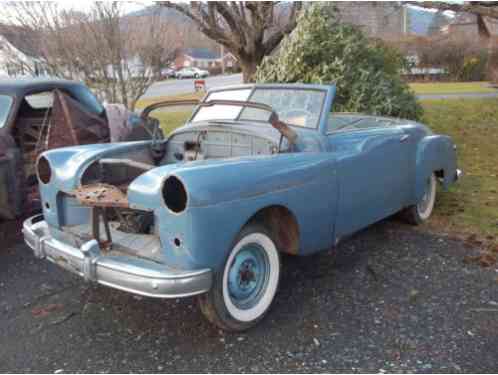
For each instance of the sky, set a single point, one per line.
(84, 5)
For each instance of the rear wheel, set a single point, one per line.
(244, 289)
(419, 213)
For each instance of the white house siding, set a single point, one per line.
(7, 53)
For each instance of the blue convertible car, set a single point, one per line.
(257, 170)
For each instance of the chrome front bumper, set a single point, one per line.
(126, 273)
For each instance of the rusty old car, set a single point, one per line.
(38, 114)
(256, 171)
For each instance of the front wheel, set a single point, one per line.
(244, 289)
(419, 213)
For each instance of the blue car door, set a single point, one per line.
(374, 165)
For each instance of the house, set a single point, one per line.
(472, 27)
(377, 19)
(18, 52)
(205, 58)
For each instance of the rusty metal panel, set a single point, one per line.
(101, 195)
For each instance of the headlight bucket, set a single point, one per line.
(43, 170)
(174, 194)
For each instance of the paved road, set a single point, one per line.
(185, 86)
(468, 95)
(393, 299)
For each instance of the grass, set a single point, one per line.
(451, 87)
(471, 206)
(171, 118)
(142, 103)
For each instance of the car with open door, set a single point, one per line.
(256, 171)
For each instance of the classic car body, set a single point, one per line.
(39, 114)
(229, 191)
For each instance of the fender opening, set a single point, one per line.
(282, 225)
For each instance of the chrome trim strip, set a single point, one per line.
(134, 275)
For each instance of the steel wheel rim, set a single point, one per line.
(248, 276)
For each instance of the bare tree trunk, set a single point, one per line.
(249, 30)
(249, 70)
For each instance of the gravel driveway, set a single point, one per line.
(391, 299)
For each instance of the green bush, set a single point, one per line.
(365, 72)
(474, 67)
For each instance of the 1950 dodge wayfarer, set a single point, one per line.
(256, 171)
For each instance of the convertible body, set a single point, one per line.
(194, 214)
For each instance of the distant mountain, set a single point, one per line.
(165, 13)
(421, 21)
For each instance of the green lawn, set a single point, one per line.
(174, 117)
(471, 206)
(451, 87)
(142, 103)
(172, 120)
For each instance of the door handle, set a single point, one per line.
(404, 138)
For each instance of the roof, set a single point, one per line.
(21, 38)
(26, 86)
(201, 53)
(463, 19)
(20, 86)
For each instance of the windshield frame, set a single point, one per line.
(328, 92)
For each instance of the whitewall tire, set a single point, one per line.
(244, 289)
(419, 213)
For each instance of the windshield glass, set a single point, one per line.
(5, 104)
(298, 107)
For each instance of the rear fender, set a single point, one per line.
(434, 153)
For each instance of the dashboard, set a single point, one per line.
(212, 144)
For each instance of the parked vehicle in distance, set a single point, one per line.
(257, 170)
(168, 73)
(37, 114)
(191, 72)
